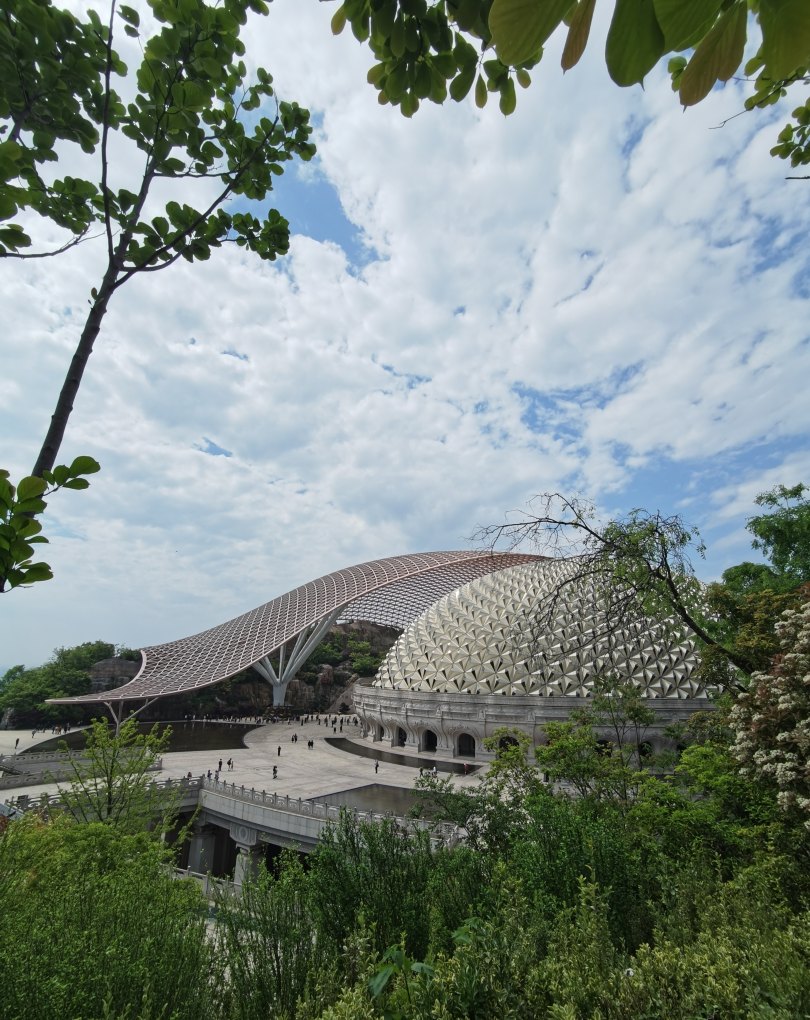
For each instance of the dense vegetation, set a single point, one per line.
(678, 890)
(688, 899)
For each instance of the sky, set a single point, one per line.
(601, 295)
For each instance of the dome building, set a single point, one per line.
(521, 647)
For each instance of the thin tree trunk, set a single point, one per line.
(70, 387)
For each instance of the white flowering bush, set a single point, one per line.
(771, 720)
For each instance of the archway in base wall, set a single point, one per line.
(401, 737)
(466, 745)
(429, 741)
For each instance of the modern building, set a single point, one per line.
(519, 648)
(489, 640)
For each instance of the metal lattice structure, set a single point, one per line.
(484, 638)
(391, 591)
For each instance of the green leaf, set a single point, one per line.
(785, 36)
(130, 15)
(83, 466)
(520, 27)
(685, 22)
(717, 57)
(462, 83)
(37, 572)
(338, 21)
(578, 32)
(32, 505)
(30, 487)
(508, 100)
(481, 92)
(77, 483)
(635, 42)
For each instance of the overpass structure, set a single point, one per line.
(235, 823)
(392, 591)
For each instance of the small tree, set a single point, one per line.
(603, 768)
(193, 118)
(112, 779)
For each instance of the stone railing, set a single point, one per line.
(36, 769)
(442, 832)
(25, 802)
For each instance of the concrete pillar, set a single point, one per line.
(201, 851)
(249, 852)
(248, 859)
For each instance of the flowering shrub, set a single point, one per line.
(771, 720)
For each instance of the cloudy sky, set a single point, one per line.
(601, 295)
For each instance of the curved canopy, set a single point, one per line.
(391, 591)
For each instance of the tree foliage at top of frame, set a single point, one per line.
(193, 115)
(429, 50)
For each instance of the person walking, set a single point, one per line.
(279, 750)
(376, 766)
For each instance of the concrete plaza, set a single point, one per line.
(302, 772)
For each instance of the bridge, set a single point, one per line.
(228, 817)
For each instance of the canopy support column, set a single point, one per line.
(305, 644)
(118, 717)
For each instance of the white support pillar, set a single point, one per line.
(249, 852)
(305, 644)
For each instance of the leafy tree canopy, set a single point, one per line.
(783, 534)
(163, 149)
(429, 50)
(64, 675)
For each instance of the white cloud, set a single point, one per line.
(569, 298)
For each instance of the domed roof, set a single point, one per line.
(485, 638)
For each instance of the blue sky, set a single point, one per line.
(601, 295)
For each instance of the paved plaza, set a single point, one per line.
(302, 772)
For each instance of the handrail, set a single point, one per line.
(273, 801)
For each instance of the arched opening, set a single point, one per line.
(429, 741)
(645, 749)
(378, 731)
(507, 740)
(466, 745)
(604, 747)
(401, 737)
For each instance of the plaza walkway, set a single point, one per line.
(302, 772)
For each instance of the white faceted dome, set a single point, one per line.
(485, 638)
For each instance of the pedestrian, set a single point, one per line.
(376, 767)
(209, 773)
(279, 750)
(219, 767)
(275, 772)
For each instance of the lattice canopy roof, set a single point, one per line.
(541, 629)
(390, 591)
